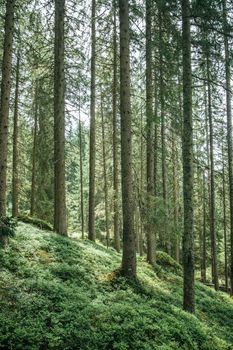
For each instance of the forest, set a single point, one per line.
(116, 174)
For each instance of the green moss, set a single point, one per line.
(58, 293)
(43, 225)
(167, 262)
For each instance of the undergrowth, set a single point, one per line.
(59, 293)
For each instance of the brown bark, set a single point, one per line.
(34, 150)
(81, 171)
(150, 135)
(212, 182)
(115, 138)
(129, 244)
(5, 100)
(60, 225)
(91, 221)
(15, 175)
(224, 223)
(229, 131)
(188, 234)
(105, 177)
(203, 252)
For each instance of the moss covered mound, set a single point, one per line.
(59, 293)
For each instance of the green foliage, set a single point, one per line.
(7, 227)
(43, 225)
(167, 262)
(58, 293)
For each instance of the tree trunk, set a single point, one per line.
(229, 131)
(34, 150)
(175, 197)
(15, 175)
(212, 182)
(188, 234)
(203, 252)
(129, 244)
(163, 137)
(91, 221)
(105, 177)
(5, 100)
(60, 225)
(115, 137)
(224, 223)
(149, 147)
(81, 171)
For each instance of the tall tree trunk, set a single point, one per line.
(212, 182)
(15, 175)
(229, 130)
(163, 137)
(115, 137)
(175, 197)
(91, 221)
(5, 99)
(188, 234)
(34, 150)
(150, 135)
(224, 222)
(129, 244)
(203, 252)
(81, 170)
(60, 224)
(105, 177)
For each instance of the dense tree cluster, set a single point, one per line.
(116, 125)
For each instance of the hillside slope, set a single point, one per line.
(59, 293)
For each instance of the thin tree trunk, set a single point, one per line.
(60, 224)
(229, 131)
(129, 244)
(212, 183)
(150, 151)
(175, 197)
(91, 221)
(163, 136)
(188, 235)
(15, 175)
(105, 177)
(81, 171)
(5, 100)
(115, 138)
(224, 222)
(203, 253)
(34, 150)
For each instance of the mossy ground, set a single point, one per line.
(59, 293)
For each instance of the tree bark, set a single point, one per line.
(5, 100)
(115, 137)
(188, 234)
(34, 150)
(91, 221)
(212, 181)
(229, 131)
(81, 171)
(203, 252)
(224, 223)
(60, 225)
(150, 135)
(129, 244)
(105, 177)
(15, 175)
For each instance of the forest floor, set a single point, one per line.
(61, 293)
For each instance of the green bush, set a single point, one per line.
(166, 261)
(7, 228)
